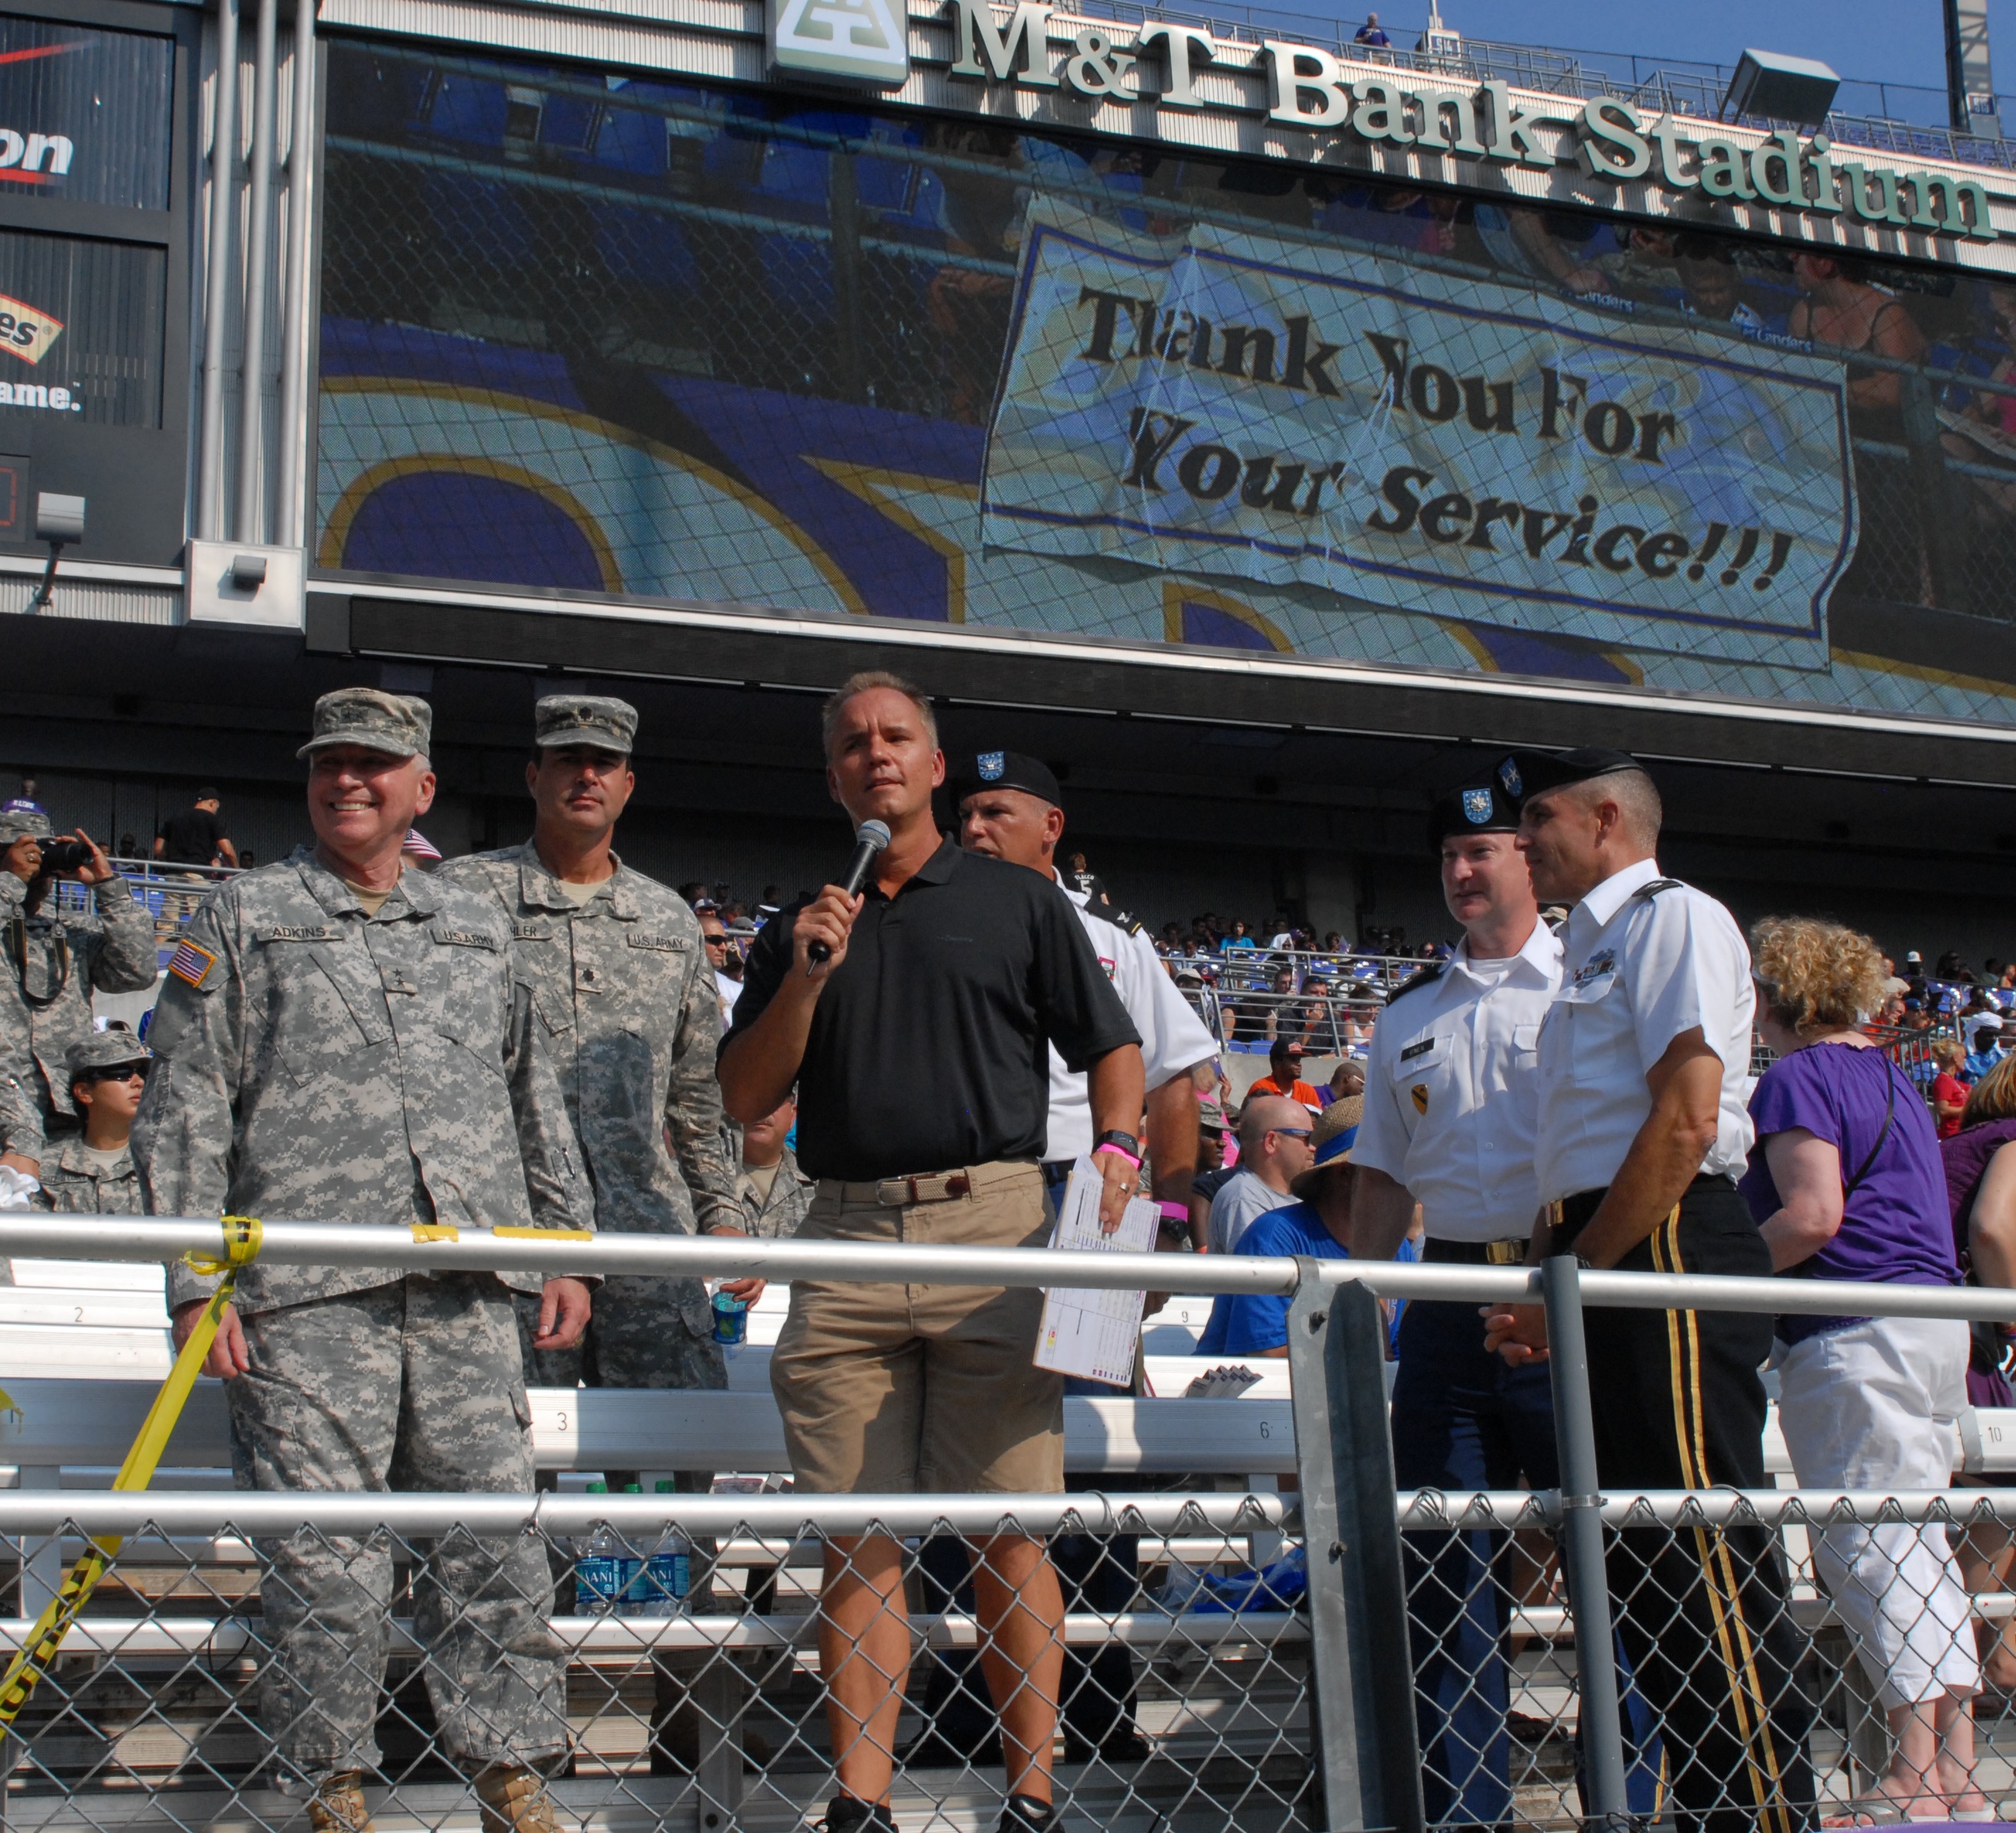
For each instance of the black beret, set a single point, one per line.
(1521, 774)
(1476, 808)
(1007, 769)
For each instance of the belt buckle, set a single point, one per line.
(1504, 1253)
(889, 1191)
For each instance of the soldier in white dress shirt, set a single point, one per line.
(1644, 1063)
(1452, 1100)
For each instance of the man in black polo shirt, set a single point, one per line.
(920, 1051)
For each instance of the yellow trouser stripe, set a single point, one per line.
(1746, 1691)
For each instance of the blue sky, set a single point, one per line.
(1895, 40)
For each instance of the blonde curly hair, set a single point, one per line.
(1816, 977)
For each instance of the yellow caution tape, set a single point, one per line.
(425, 1231)
(242, 1239)
(546, 1233)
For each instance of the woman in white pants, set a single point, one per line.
(1847, 1183)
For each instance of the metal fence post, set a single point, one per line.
(1365, 1751)
(1582, 1548)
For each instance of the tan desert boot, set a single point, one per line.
(337, 1806)
(515, 1801)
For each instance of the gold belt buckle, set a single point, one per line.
(1504, 1253)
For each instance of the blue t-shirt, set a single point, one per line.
(1897, 1228)
(1245, 1323)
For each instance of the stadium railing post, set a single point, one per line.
(1362, 1723)
(1582, 1548)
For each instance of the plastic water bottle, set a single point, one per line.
(731, 1321)
(601, 1570)
(668, 1578)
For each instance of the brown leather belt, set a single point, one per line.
(895, 1193)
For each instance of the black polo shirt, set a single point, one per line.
(929, 1044)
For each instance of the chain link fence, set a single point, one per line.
(1228, 1657)
(686, 1630)
(687, 1633)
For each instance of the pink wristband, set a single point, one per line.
(1118, 1154)
(1175, 1213)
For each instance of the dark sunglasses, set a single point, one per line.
(131, 1073)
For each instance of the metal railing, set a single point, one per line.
(1221, 1678)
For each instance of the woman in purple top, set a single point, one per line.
(1846, 1183)
(1981, 1183)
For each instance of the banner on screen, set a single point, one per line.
(1284, 414)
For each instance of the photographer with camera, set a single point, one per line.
(54, 964)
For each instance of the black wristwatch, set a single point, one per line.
(1124, 1142)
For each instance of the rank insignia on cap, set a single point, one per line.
(191, 963)
(1477, 805)
(1509, 779)
(1419, 1092)
(993, 766)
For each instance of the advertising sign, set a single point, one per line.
(1253, 409)
(84, 113)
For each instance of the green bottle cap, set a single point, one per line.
(666, 1486)
(633, 1489)
(598, 1488)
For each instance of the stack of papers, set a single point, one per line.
(1095, 1335)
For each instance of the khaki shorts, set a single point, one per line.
(899, 1389)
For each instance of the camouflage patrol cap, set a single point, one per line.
(23, 824)
(397, 724)
(104, 1049)
(585, 719)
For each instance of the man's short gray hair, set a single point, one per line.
(864, 682)
(1636, 796)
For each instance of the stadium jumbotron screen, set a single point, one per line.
(654, 338)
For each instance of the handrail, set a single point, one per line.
(356, 1244)
(180, 1514)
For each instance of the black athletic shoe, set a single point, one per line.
(1021, 1813)
(845, 1814)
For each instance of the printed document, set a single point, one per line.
(1095, 1335)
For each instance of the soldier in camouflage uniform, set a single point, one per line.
(775, 1194)
(626, 1000)
(92, 1173)
(338, 1041)
(52, 966)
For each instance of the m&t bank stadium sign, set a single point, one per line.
(1179, 83)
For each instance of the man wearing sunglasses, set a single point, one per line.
(1274, 1150)
(92, 1174)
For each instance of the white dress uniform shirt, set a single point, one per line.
(1452, 1092)
(1173, 1038)
(1638, 967)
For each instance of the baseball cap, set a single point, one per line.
(607, 724)
(22, 822)
(397, 724)
(104, 1049)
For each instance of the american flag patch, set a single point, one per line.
(191, 963)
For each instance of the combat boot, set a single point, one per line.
(515, 1801)
(337, 1806)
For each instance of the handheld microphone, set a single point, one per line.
(869, 838)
